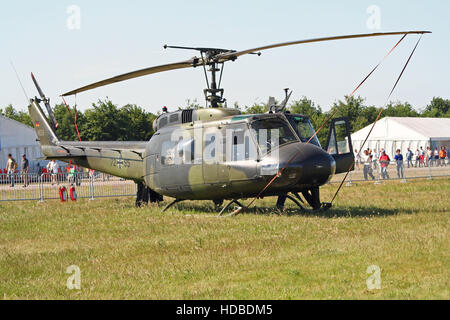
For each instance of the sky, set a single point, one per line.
(66, 50)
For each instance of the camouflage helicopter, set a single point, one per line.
(215, 153)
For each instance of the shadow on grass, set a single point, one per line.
(334, 212)
(351, 212)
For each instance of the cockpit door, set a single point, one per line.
(339, 144)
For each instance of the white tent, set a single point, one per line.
(17, 139)
(392, 133)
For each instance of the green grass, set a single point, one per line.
(188, 253)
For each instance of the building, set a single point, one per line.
(392, 133)
(18, 139)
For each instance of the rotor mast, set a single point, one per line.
(213, 93)
(213, 90)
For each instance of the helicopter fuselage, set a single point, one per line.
(223, 159)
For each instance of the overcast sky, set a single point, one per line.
(114, 37)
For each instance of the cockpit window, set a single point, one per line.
(271, 133)
(303, 128)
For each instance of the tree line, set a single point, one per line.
(105, 121)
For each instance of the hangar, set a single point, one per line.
(392, 133)
(18, 139)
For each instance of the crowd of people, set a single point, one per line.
(11, 167)
(371, 159)
(52, 171)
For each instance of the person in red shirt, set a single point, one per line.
(384, 162)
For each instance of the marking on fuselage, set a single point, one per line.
(120, 163)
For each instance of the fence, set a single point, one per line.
(415, 170)
(45, 186)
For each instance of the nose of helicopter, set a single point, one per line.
(309, 164)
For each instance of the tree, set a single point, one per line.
(192, 104)
(438, 108)
(107, 122)
(308, 108)
(66, 122)
(399, 109)
(256, 108)
(103, 123)
(135, 117)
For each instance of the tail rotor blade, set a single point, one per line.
(46, 102)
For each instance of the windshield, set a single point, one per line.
(271, 133)
(303, 128)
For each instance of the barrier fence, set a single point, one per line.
(45, 187)
(415, 170)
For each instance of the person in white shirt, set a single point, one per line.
(374, 158)
(366, 159)
(52, 168)
(11, 167)
(358, 158)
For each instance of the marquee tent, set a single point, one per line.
(392, 133)
(17, 139)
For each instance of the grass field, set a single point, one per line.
(188, 253)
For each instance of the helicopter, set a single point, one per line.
(215, 153)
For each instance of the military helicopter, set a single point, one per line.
(216, 153)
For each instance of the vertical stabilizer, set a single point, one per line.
(44, 131)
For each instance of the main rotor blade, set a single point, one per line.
(41, 94)
(233, 55)
(134, 74)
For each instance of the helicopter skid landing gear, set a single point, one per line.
(228, 205)
(312, 196)
(217, 204)
(282, 199)
(171, 204)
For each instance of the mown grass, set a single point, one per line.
(187, 253)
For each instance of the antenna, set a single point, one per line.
(20, 82)
(286, 99)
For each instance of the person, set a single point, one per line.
(11, 166)
(409, 155)
(91, 173)
(399, 161)
(366, 159)
(77, 175)
(39, 169)
(384, 162)
(358, 158)
(436, 157)
(52, 168)
(429, 157)
(422, 157)
(25, 168)
(71, 175)
(417, 158)
(374, 157)
(442, 156)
